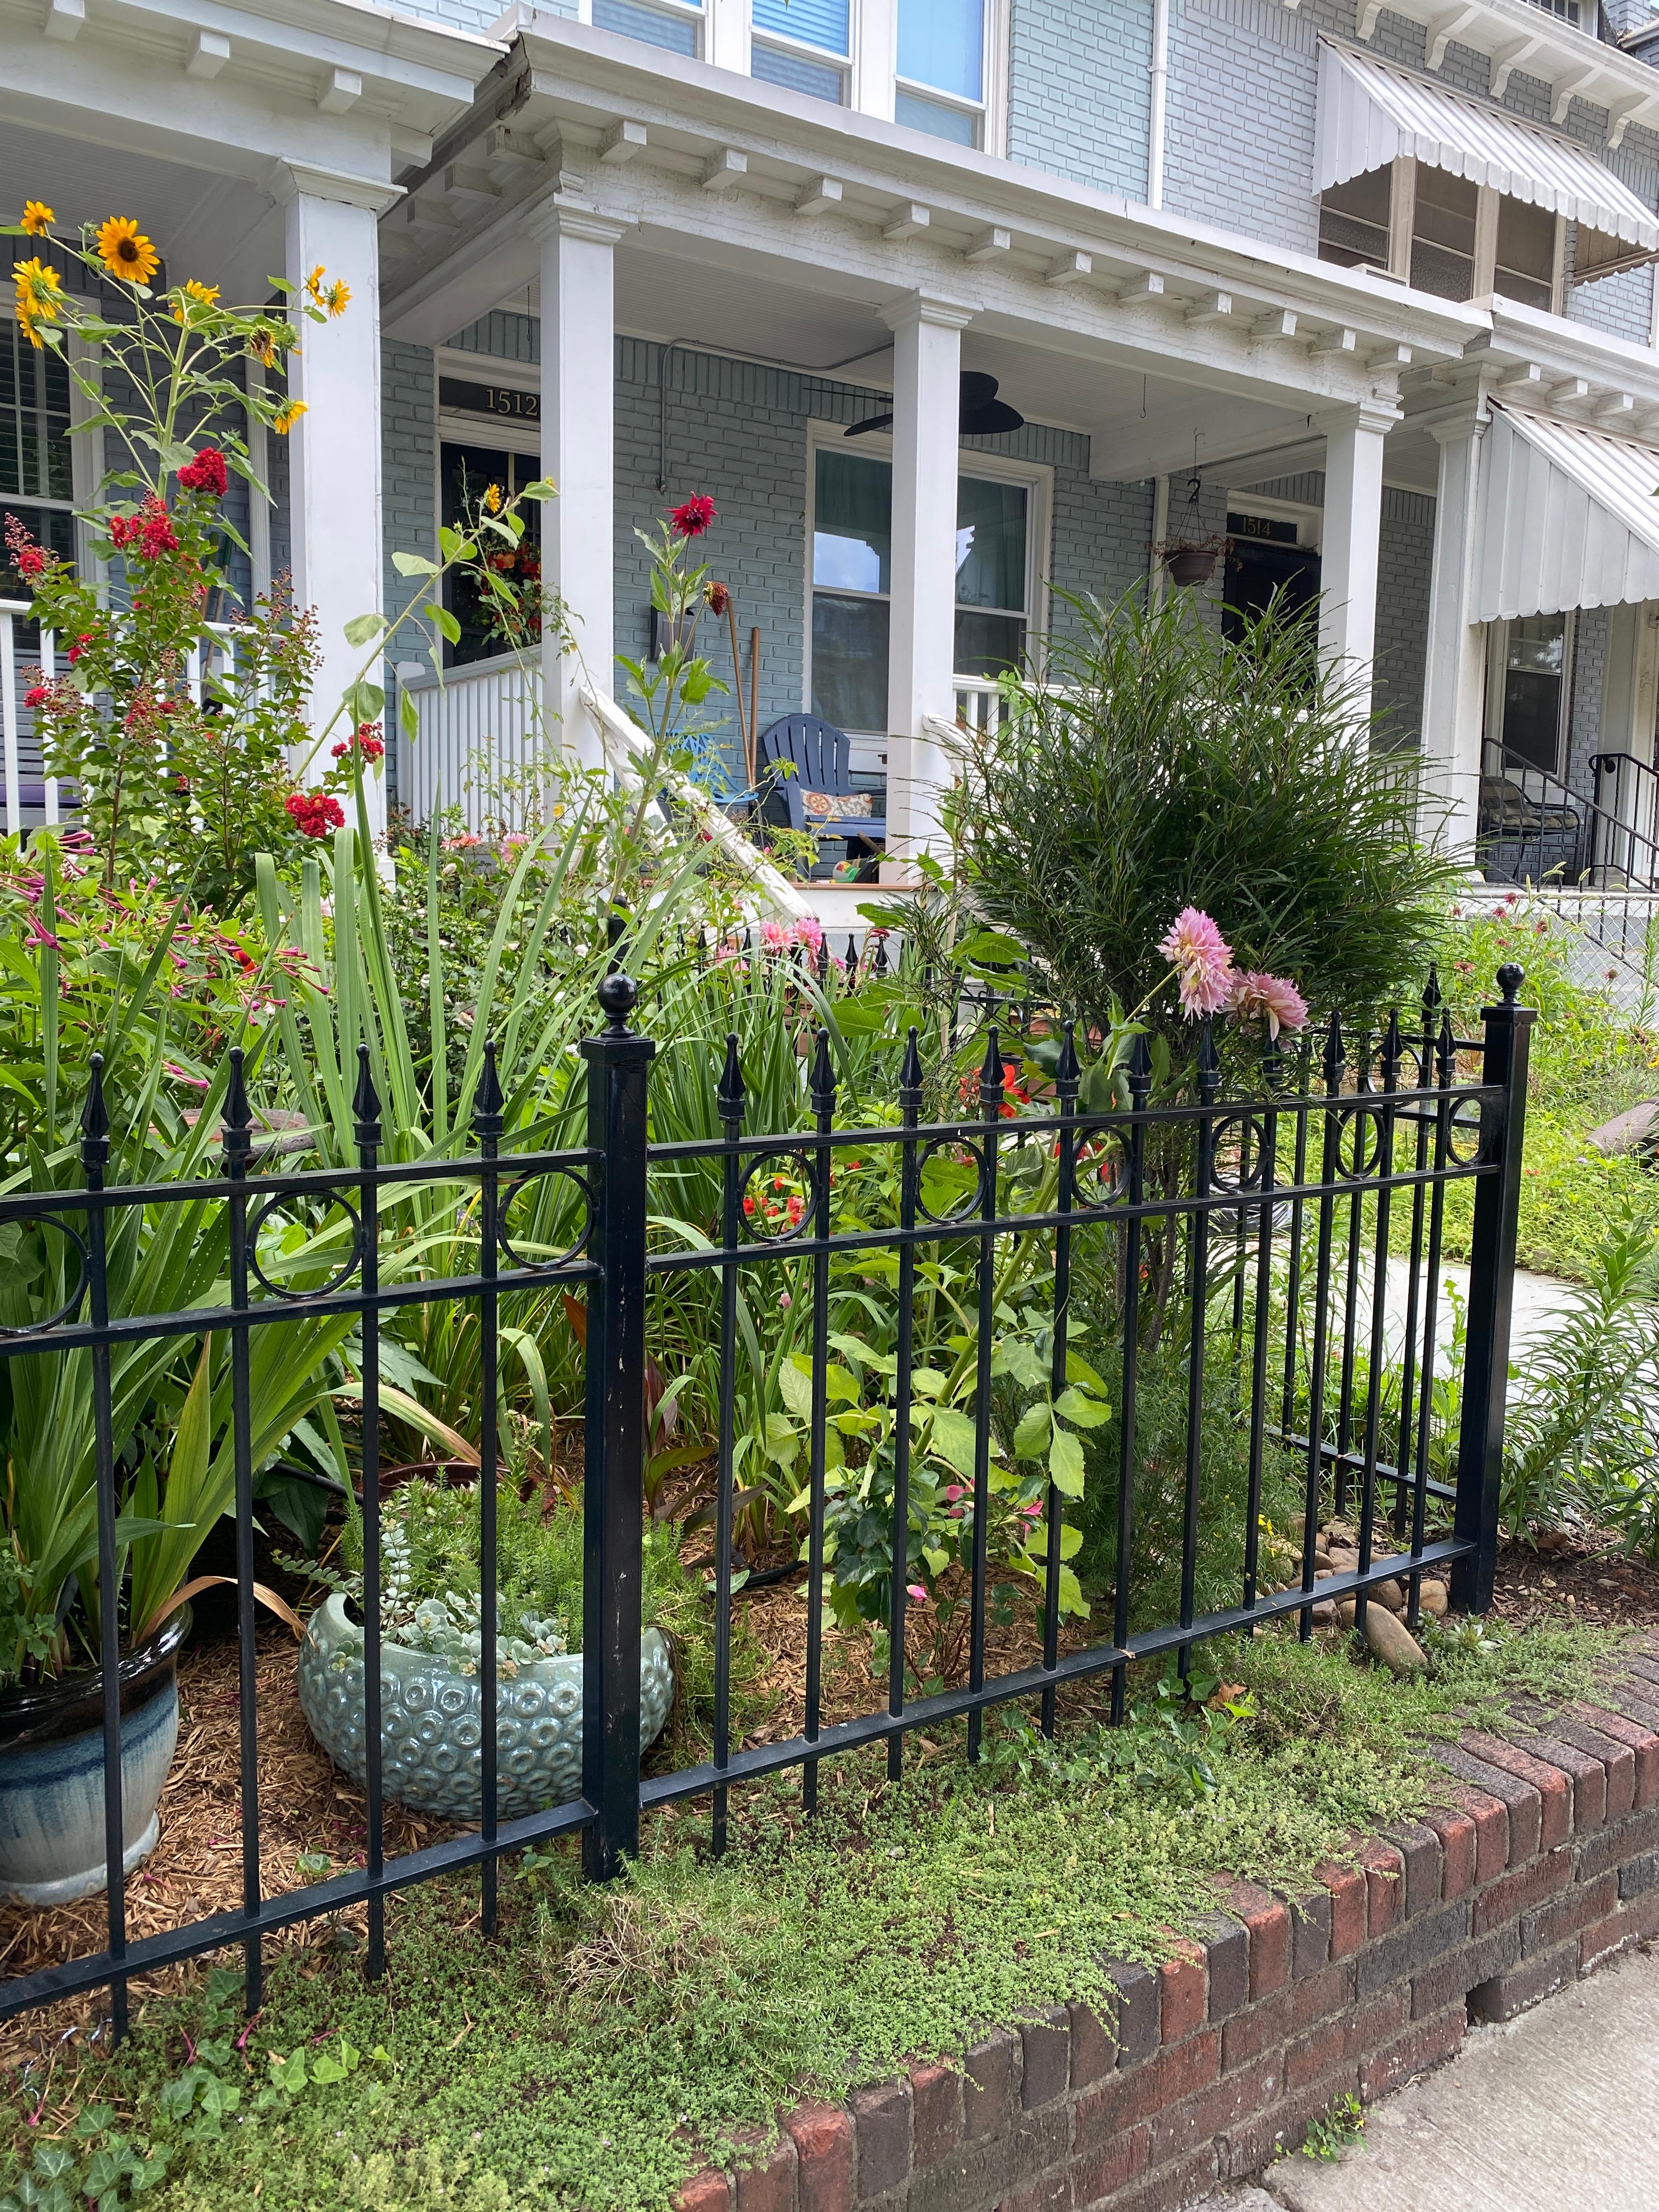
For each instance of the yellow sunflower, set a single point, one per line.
(286, 416)
(40, 295)
(37, 218)
(125, 252)
(492, 499)
(337, 297)
(195, 295)
(314, 284)
(263, 346)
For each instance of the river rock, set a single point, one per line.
(1392, 1642)
(1324, 1612)
(1345, 1612)
(1390, 1595)
(1431, 1600)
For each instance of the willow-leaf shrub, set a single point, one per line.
(1154, 766)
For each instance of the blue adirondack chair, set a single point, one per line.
(819, 753)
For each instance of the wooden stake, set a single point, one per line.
(754, 704)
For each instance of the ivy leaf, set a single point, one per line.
(288, 2073)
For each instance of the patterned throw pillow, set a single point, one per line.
(839, 805)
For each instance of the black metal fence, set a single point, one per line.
(1273, 1211)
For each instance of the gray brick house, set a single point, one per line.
(1364, 292)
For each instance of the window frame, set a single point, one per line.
(699, 13)
(869, 748)
(84, 469)
(1497, 654)
(1402, 223)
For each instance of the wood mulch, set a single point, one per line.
(1567, 1579)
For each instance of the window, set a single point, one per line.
(940, 86)
(1443, 234)
(1527, 688)
(805, 45)
(677, 29)
(37, 474)
(1353, 220)
(851, 580)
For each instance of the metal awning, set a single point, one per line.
(1370, 114)
(1569, 517)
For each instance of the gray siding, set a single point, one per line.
(1080, 91)
(1243, 75)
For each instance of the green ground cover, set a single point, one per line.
(611, 2039)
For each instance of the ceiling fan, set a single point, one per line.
(980, 414)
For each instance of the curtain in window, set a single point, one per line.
(990, 543)
(940, 44)
(852, 522)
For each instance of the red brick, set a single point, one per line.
(1250, 2034)
(1310, 1933)
(988, 2089)
(881, 2129)
(1385, 1889)
(1642, 1743)
(1348, 2036)
(1181, 1981)
(1616, 1758)
(770, 2186)
(1429, 2044)
(1586, 1776)
(1172, 2185)
(1456, 1831)
(1505, 1994)
(1568, 1914)
(1520, 1890)
(1094, 2046)
(1245, 2150)
(1632, 1923)
(822, 2136)
(1521, 1801)
(1491, 1830)
(1052, 2193)
(1554, 1790)
(1177, 2073)
(1111, 2168)
(707, 2192)
(1045, 2070)
(1233, 2098)
(1349, 1906)
(936, 2113)
(1266, 1921)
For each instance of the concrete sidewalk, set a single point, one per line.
(1557, 2111)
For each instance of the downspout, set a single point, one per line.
(1157, 103)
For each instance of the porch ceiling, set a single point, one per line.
(223, 229)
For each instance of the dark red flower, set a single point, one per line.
(207, 472)
(158, 536)
(123, 528)
(717, 597)
(693, 516)
(37, 695)
(30, 561)
(314, 813)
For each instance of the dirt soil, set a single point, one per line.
(1597, 1585)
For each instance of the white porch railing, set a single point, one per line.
(478, 734)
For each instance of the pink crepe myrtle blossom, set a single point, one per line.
(1202, 960)
(1274, 998)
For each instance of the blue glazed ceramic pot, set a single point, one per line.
(51, 1771)
(432, 1720)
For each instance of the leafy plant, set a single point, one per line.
(1157, 766)
(1335, 2130)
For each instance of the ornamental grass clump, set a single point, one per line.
(1156, 763)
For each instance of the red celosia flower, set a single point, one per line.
(158, 536)
(207, 472)
(30, 561)
(37, 695)
(123, 528)
(693, 516)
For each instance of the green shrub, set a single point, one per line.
(1173, 769)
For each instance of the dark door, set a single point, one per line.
(467, 472)
(1255, 571)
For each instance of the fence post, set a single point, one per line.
(1492, 1293)
(618, 1063)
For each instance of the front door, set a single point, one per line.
(1257, 570)
(467, 472)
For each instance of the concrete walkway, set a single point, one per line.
(1557, 2111)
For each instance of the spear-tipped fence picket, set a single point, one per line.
(1393, 1121)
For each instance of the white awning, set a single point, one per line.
(1370, 114)
(1569, 517)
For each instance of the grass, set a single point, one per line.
(610, 2040)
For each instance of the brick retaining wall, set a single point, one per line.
(1545, 1863)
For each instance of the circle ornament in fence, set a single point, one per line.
(432, 1720)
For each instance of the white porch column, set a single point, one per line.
(578, 437)
(921, 650)
(1348, 554)
(334, 465)
(1454, 677)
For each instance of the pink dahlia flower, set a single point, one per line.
(1274, 998)
(1202, 960)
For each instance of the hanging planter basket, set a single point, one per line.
(1191, 564)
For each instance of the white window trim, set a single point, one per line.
(869, 753)
(512, 434)
(1497, 642)
(1309, 520)
(1403, 218)
(84, 470)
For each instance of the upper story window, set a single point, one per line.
(806, 45)
(1443, 234)
(669, 24)
(939, 85)
(1570, 11)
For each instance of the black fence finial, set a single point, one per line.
(729, 1095)
(1509, 979)
(488, 1105)
(822, 1080)
(95, 1119)
(910, 1073)
(618, 996)
(366, 1102)
(237, 1116)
